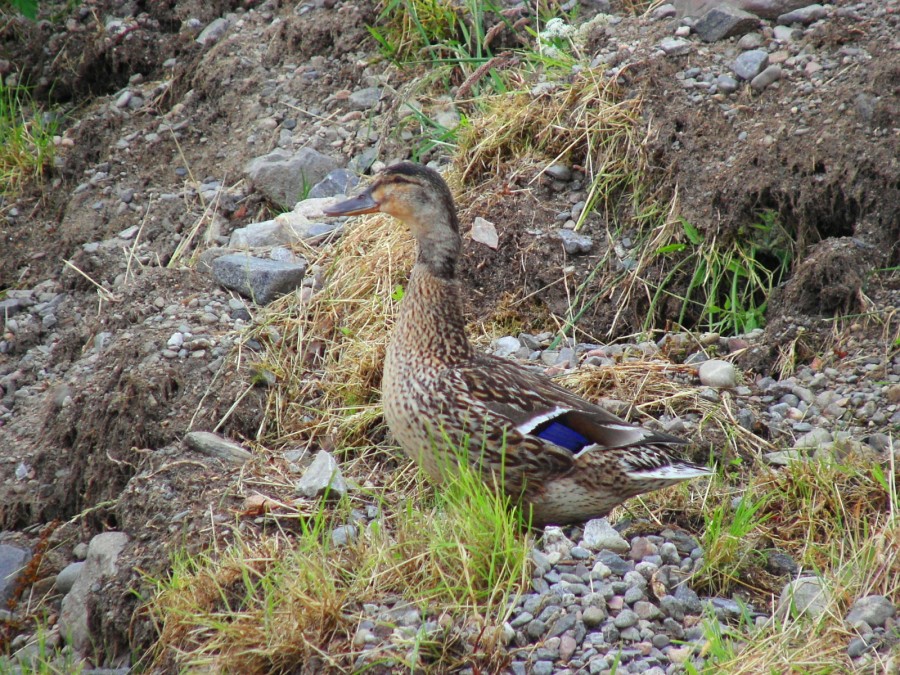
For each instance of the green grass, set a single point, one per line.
(39, 657)
(728, 544)
(26, 140)
(729, 282)
(27, 8)
(291, 596)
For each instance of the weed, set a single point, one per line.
(26, 139)
(729, 283)
(727, 542)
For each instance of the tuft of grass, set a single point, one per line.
(730, 541)
(294, 598)
(26, 140)
(729, 282)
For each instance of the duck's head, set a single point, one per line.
(420, 198)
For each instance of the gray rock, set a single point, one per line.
(857, 647)
(364, 99)
(101, 562)
(781, 563)
(765, 9)
(785, 457)
(766, 78)
(750, 64)
(784, 33)
(873, 610)
(213, 445)
(214, 31)
(559, 172)
(284, 176)
(666, 11)
(337, 182)
(13, 559)
(726, 84)
(322, 476)
(344, 534)
(814, 438)
(675, 46)
(719, 374)
(625, 619)
(593, 616)
(67, 577)
(505, 346)
(723, 22)
(806, 596)
(574, 243)
(751, 41)
(805, 15)
(614, 562)
(600, 535)
(257, 279)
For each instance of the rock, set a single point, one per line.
(719, 374)
(344, 534)
(873, 610)
(784, 33)
(321, 477)
(257, 279)
(751, 41)
(666, 11)
(13, 560)
(505, 346)
(725, 21)
(726, 84)
(593, 616)
(297, 226)
(337, 182)
(284, 177)
(625, 619)
(559, 172)
(599, 535)
(213, 445)
(806, 596)
(364, 99)
(779, 563)
(765, 78)
(675, 46)
(764, 9)
(67, 577)
(574, 243)
(814, 438)
(805, 15)
(484, 232)
(214, 31)
(750, 64)
(102, 559)
(784, 457)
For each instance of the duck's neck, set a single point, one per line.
(431, 324)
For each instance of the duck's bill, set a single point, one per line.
(354, 206)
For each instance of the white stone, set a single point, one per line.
(718, 374)
(600, 535)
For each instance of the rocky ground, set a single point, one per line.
(188, 131)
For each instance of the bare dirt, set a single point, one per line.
(93, 441)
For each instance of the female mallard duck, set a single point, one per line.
(566, 458)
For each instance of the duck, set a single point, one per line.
(560, 457)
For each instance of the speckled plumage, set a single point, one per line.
(440, 394)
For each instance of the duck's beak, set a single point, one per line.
(362, 203)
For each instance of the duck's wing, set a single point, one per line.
(568, 427)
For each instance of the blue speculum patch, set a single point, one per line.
(561, 435)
